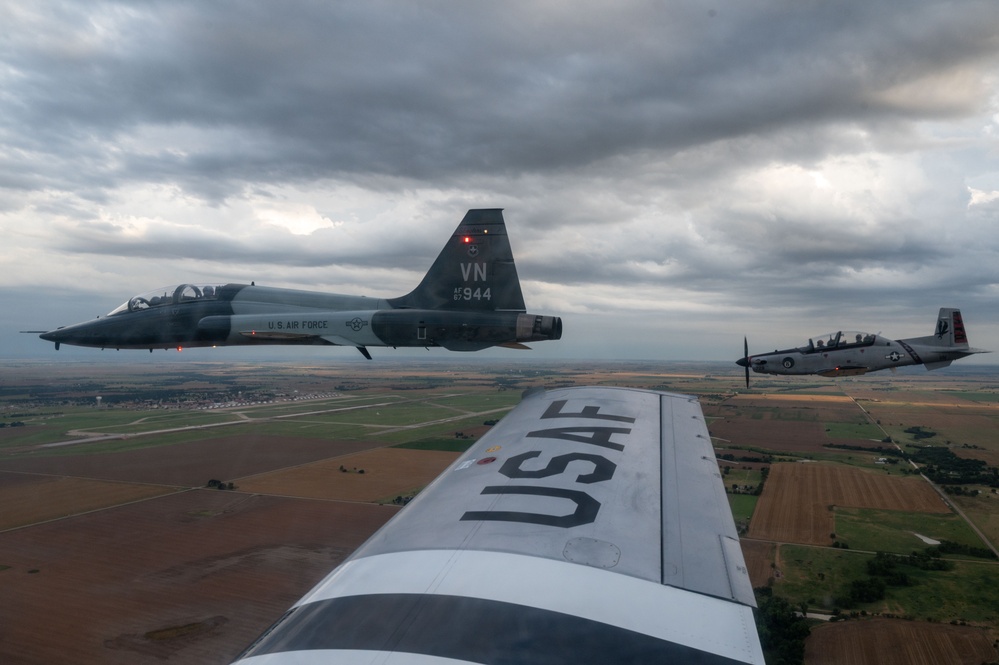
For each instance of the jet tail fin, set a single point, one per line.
(475, 270)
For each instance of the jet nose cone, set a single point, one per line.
(51, 336)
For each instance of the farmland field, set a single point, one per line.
(759, 557)
(375, 475)
(116, 545)
(798, 501)
(897, 643)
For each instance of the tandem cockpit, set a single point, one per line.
(841, 339)
(169, 295)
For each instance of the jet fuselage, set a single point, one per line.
(253, 315)
(469, 299)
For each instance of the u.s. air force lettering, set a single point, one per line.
(603, 468)
(304, 324)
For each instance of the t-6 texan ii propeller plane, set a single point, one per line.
(846, 353)
(469, 300)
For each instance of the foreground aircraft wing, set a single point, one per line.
(589, 526)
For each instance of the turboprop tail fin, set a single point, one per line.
(950, 328)
(475, 270)
(950, 333)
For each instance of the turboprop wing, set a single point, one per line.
(589, 526)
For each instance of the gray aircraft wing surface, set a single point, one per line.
(590, 525)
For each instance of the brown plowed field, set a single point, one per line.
(796, 500)
(28, 499)
(388, 472)
(195, 576)
(191, 464)
(780, 435)
(897, 642)
(758, 555)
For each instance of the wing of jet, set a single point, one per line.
(469, 299)
(589, 526)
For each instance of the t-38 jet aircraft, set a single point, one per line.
(590, 526)
(469, 300)
(846, 353)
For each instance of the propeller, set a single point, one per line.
(744, 361)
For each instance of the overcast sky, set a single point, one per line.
(674, 175)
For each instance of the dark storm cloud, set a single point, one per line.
(191, 243)
(217, 95)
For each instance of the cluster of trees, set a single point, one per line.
(945, 468)
(16, 423)
(957, 490)
(918, 432)
(886, 570)
(864, 591)
(950, 547)
(729, 457)
(782, 629)
(928, 559)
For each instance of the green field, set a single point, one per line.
(394, 417)
(820, 578)
(893, 531)
(984, 397)
(865, 431)
(742, 506)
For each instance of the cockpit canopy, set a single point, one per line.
(168, 295)
(840, 339)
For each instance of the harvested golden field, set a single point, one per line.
(897, 642)
(387, 472)
(796, 503)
